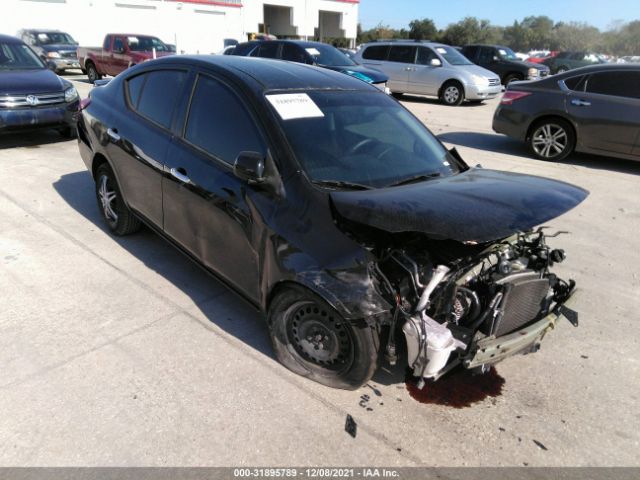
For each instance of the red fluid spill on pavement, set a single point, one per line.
(458, 389)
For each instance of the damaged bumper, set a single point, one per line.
(490, 350)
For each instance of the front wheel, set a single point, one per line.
(92, 73)
(452, 94)
(312, 339)
(551, 139)
(115, 213)
(512, 78)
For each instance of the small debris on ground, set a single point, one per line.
(501, 429)
(584, 356)
(375, 390)
(350, 426)
(540, 444)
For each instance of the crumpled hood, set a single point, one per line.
(477, 205)
(20, 82)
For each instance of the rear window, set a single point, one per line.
(158, 97)
(402, 54)
(376, 52)
(134, 88)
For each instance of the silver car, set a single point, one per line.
(427, 68)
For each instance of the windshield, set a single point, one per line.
(329, 56)
(146, 44)
(55, 38)
(17, 56)
(360, 138)
(507, 54)
(453, 56)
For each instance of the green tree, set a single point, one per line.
(470, 30)
(423, 29)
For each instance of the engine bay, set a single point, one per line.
(447, 298)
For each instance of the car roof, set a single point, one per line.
(407, 42)
(597, 68)
(269, 74)
(9, 39)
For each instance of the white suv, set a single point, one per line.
(427, 68)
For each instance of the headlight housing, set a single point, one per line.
(480, 80)
(70, 94)
(533, 72)
(53, 55)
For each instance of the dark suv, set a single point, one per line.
(312, 53)
(502, 61)
(56, 48)
(566, 61)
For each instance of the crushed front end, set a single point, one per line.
(471, 304)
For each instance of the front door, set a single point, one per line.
(207, 210)
(424, 78)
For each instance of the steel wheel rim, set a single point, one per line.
(107, 197)
(319, 336)
(92, 74)
(549, 140)
(451, 94)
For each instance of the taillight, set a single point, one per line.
(511, 96)
(84, 103)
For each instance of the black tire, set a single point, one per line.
(551, 139)
(115, 213)
(562, 69)
(68, 132)
(452, 93)
(92, 73)
(312, 339)
(397, 95)
(512, 77)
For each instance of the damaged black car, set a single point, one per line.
(332, 209)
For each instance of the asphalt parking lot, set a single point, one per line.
(120, 351)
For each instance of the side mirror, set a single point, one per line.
(249, 166)
(435, 62)
(495, 59)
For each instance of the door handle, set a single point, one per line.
(113, 134)
(580, 103)
(176, 173)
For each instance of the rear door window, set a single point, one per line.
(376, 52)
(268, 50)
(470, 52)
(486, 55)
(219, 123)
(619, 84)
(293, 53)
(402, 54)
(134, 88)
(158, 97)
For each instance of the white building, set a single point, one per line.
(195, 26)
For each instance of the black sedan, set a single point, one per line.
(32, 96)
(332, 209)
(312, 53)
(591, 109)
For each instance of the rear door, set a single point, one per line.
(606, 110)
(424, 78)
(399, 64)
(207, 209)
(139, 137)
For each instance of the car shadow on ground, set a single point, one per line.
(32, 139)
(435, 101)
(501, 144)
(221, 306)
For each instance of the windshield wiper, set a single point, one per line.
(341, 184)
(416, 178)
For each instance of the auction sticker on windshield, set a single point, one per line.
(294, 105)
(313, 51)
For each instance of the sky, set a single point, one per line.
(398, 13)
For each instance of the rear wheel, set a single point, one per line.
(312, 339)
(552, 139)
(397, 95)
(562, 69)
(92, 73)
(68, 132)
(115, 213)
(452, 93)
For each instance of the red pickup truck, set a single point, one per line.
(119, 51)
